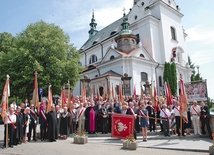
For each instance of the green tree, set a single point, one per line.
(170, 76)
(173, 85)
(44, 48)
(194, 76)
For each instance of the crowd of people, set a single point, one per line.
(94, 115)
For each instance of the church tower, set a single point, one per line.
(93, 25)
(126, 41)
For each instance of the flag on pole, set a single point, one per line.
(109, 92)
(69, 96)
(183, 102)
(63, 96)
(98, 93)
(121, 94)
(83, 94)
(5, 95)
(50, 99)
(112, 91)
(168, 93)
(35, 92)
(155, 99)
(134, 92)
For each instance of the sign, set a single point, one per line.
(40, 91)
(196, 91)
(122, 125)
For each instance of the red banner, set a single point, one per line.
(122, 125)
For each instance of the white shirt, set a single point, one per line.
(162, 114)
(12, 119)
(197, 108)
(176, 110)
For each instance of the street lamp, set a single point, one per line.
(197, 66)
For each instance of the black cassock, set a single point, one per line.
(65, 123)
(52, 126)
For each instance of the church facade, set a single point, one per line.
(135, 47)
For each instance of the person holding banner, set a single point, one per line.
(9, 120)
(144, 120)
(165, 115)
(195, 112)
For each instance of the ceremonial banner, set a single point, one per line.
(184, 102)
(122, 125)
(50, 99)
(35, 92)
(4, 102)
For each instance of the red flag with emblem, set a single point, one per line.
(122, 125)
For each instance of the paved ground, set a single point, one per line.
(105, 145)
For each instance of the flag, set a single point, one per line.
(63, 96)
(122, 125)
(155, 99)
(35, 92)
(50, 99)
(69, 96)
(83, 94)
(168, 93)
(134, 92)
(5, 95)
(98, 93)
(121, 94)
(109, 92)
(183, 102)
(112, 92)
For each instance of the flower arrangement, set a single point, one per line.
(130, 138)
(81, 133)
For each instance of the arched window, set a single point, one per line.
(173, 33)
(112, 57)
(141, 55)
(160, 81)
(93, 59)
(144, 76)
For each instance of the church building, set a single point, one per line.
(132, 51)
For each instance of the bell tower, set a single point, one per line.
(93, 25)
(126, 41)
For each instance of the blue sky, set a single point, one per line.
(73, 16)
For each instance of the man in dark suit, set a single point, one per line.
(43, 124)
(151, 113)
(205, 119)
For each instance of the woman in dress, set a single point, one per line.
(144, 121)
(27, 122)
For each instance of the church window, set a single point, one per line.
(93, 59)
(160, 81)
(135, 17)
(138, 38)
(173, 33)
(112, 57)
(126, 41)
(94, 42)
(141, 55)
(113, 32)
(144, 76)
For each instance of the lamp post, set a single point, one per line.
(126, 84)
(197, 66)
